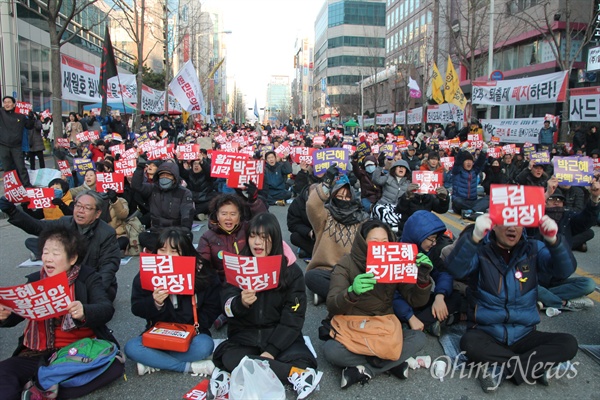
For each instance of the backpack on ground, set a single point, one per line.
(78, 363)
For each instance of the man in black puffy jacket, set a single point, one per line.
(200, 183)
(11, 138)
(170, 203)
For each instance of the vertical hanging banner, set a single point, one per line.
(187, 90)
(549, 88)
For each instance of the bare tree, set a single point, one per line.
(543, 19)
(60, 15)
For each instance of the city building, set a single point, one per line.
(301, 85)
(349, 46)
(278, 108)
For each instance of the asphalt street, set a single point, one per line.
(584, 325)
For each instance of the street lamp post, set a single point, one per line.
(362, 103)
(491, 53)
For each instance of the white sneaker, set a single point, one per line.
(306, 382)
(201, 217)
(580, 303)
(144, 369)
(205, 367)
(219, 384)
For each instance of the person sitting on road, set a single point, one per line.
(170, 203)
(533, 175)
(160, 306)
(370, 193)
(267, 325)
(411, 202)
(88, 313)
(200, 183)
(393, 184)
(503, 267)
(335, 214)
(355, 292)
(301, 231)
(276, 172)
(465, 174)
(426, 230)
(102, 249)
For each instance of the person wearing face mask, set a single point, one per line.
(170, 203)
(493, 175)
(335, 214)
(370, 192)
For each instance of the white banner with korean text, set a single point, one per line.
(584, 104)
(444, 114)
(549, 88)
(187, 90)
(516, 130)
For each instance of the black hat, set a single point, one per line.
(73, 145)
(467, 156)
(558, 194)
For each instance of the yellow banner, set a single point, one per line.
(212, 73)
(452, 91)
(438, 84)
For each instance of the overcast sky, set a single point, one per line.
(262, 39)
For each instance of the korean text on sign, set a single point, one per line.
(174, 273)
(106, 181)
(13, 189)
(40, 198)
(428, 181)
(392, 262)
(63, 166)
(221, 162)
(246, 171)
(302, 154)
(512, 205)
(125, 167)
(574, 171)
(188, 151)
(325, 158)
(198, 392)
(252, 273)
(40, 300)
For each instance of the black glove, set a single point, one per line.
(252, 191)
(6, 206)
(57, 202)
(330, 175)
(112, 195)
(142, 160)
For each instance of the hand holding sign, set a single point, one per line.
(513, 205)
(548, 229)
(363, 283)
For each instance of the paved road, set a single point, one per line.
(167, 385)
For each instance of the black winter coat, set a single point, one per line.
(200, 184)
(11, 127)
(208, 305)
(297, 219)
(103, 253)
(274, 321)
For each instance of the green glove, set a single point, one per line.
(363, 283)
(425, 266)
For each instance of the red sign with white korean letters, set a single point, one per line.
(22, 107)
(161, 152)
(13, 189)
(392, 262)
(188, 151)
(174, 273)
(198, 392)
(243, 172)
(516, 205)
(63, 166)
(252, 273)
(40, 300)
(40, 197)
(428, 181)
(125, 167)
(63, 142)
(447, 162)
(108, 180)
(221, 163)
(88, 136)
(302, 154)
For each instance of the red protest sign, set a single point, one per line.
(125, 167)
(302, 154)
(495, 152)
(117, 149)
(447, 162)
(161, 152)
(13, 189)
(252, 273)
(40, 197)
(129, 154)
(392, 262)
(283, 149)
(88, 136)
(22, 107)
(174, 273)
(188, 152)
(475, 140)
(63, 142)
(517, 205)
(244, 171)
(63, 166)
(221, 162)
(198, 392)
(40, 300)
(428, 181)
(109, 180)
(318, 140)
